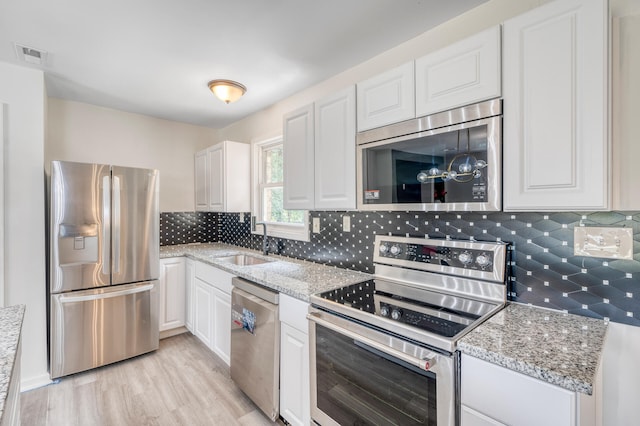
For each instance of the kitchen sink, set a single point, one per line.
(243, 260)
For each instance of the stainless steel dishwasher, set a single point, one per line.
(255, 344)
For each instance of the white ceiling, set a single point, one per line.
(155, 57)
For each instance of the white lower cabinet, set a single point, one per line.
(190, 282)
(493, 395)
(202, 315)
(221, 339)
(172, 293)
(211, 308)
(294, 361)
(470, 417)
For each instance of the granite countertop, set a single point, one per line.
(294, 277)
(561, 349)
(10, 324)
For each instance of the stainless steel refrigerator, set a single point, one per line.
(104, 265)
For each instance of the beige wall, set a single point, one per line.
(87, 133)
(268, 123)
(22, 93)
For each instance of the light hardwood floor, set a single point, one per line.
(182, 383)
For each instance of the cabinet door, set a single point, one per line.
(626, 104)
(556, 150)
(201, 180)
(489, 389)
(470, 417)
(203, 314)
(460, 74)
(298, 157)
(190, 281)
(335, 151)
(221, 343)
(216, 173)
(294, 375)
(172, 293)
(387, 98)
(237, 188)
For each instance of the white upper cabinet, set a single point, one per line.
(335, 151)
(387, 98)
(319, 154)
(298, 157)
(216, 168)
(460, 74)
(556, 148)
(223, 178)
(626, 104)
(201, 180)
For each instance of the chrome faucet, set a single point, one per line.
(265, 243)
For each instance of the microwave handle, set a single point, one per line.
(424, 364)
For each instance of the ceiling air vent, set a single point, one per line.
(30, 55)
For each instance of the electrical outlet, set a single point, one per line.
(316, 225)
(606, 242)
(346, 223)
(241, 217)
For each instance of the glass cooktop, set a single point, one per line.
(429, 311)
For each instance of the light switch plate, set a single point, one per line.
(316, 225)
(346, 223)
(605, 242)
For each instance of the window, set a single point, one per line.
(269, 194)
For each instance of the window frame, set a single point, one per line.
(299, 232)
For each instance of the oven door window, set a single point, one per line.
(359, 385)
(448, 167)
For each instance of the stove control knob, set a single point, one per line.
(384, 248)
(396, 314)
(395, 250)
(384, 311)
(465, 257)
(483, 260)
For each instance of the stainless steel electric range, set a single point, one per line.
(384, 351)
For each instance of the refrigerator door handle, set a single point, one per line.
(106, 224)
(116, 224)
(70, 298)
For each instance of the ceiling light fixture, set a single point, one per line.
(227, 90)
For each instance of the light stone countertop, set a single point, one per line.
(557, 348)
(294, 277)
(10, 326)
(561, 349)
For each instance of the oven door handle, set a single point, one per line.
(426, 363)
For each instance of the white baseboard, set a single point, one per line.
(173, 332)
(30, 383)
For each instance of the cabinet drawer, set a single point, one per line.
(214, 276)
(294, 312)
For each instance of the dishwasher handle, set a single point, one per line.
(257, 290)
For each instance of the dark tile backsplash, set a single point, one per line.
(188, 227)
(545, 271)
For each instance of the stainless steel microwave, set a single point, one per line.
(449, 161)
